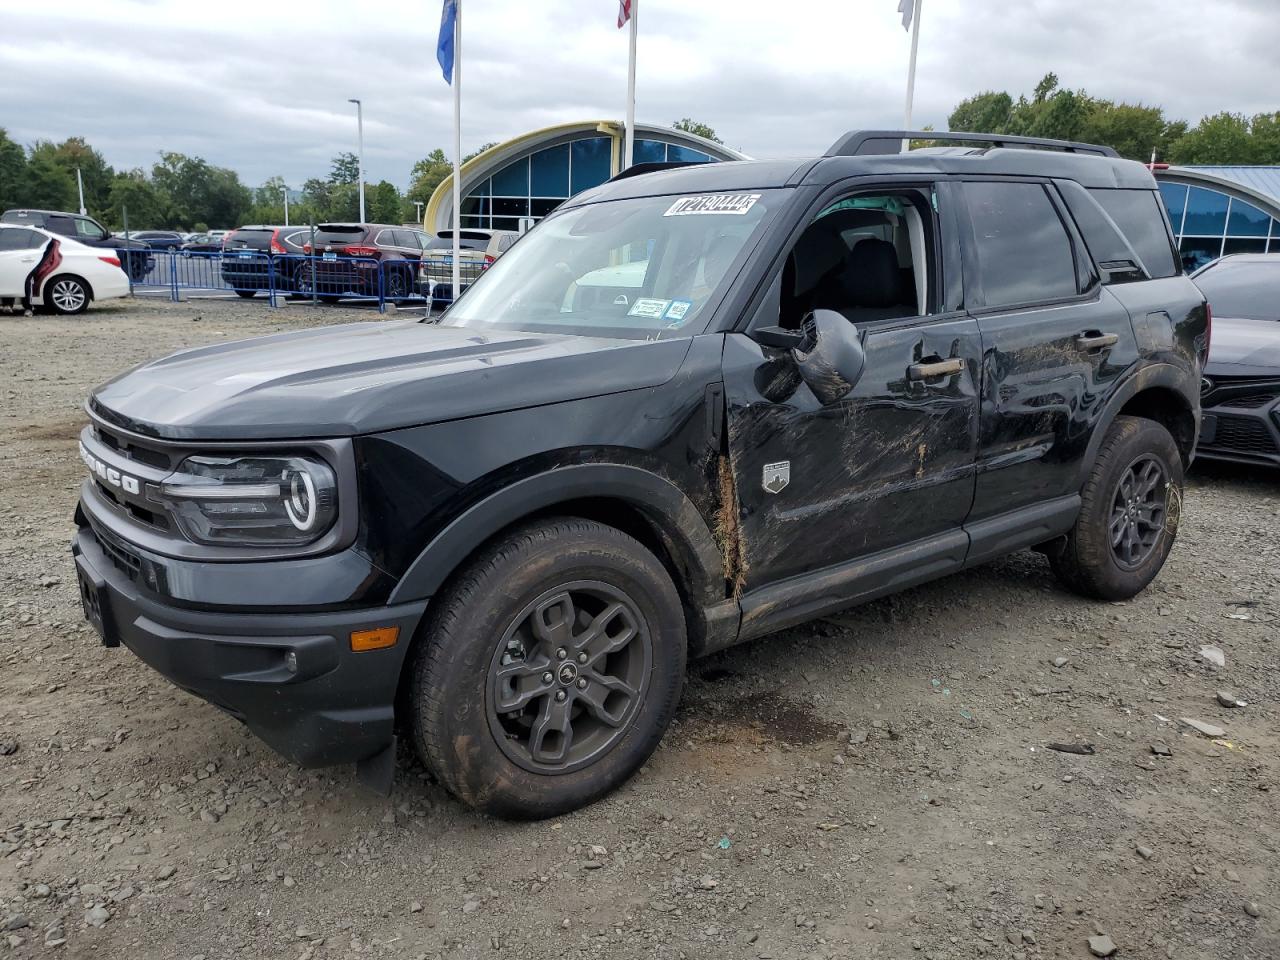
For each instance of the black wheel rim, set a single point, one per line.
(398, 285)
(568, 677)
(1139, 511)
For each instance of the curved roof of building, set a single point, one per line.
(439, 211)
(1256, 183)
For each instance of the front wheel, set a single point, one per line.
(66, 295)
(1130, 507)
(550, 669)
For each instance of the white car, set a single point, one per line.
(64, 274)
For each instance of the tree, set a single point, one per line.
(481, 149)
(131, 191)
(196, 191)
(988, 112)
(384, 203)
(697, 128)
(428, 173)
(13, 170)
(45, 184)
(268, 202)
(345, 169)
(1230, 138)
(74, 154)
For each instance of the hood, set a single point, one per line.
(1244, 348)
(369, 377)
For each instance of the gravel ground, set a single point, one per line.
(876, 784)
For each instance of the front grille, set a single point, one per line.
(1252, 402)
(125, 559)
(1243, 435)
(127, 447)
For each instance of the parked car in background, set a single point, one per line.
(477, 250)
(201, 243)
(251, 254)
(167, 240)
(1241, 388)
(66, 275)
(351, 258)
(134, 255)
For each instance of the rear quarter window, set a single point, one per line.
(1140, 215)
(1022, 249)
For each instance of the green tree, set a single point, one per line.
(74, 154)
(196, 191)
(697, 128)
(988, 112)
(13, 171)
(268, 202)
(479, 150)
(384, 203)
(1230, 138)
(46, 184)
(345, 169)
(132, 191)
(428, 173)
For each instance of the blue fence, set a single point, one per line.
(328, 278)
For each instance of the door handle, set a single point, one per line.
(928, 370)
(27, 260)
(1093, 340)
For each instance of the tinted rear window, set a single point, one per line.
(252, 239)
(466, 243)
(338, 235)
(1023, 251)
(1139, 215)
(1244, 289)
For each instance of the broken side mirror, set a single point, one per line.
(830, 357)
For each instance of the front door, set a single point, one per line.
(892, 462)
(19, 253)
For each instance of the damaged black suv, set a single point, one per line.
(695, 405)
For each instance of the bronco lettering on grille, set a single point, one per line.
(109, 475)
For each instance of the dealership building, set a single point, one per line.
(532, 174)
(1220, 210)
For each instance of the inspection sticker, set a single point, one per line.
(731, 203)
(676, 312)
(649, 307)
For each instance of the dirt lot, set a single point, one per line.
(873, 785)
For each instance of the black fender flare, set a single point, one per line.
(663, 503)
(1162, 375)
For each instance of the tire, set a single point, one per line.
(399, 283)
(616, 697)
(1133, 495)
(247, 294)
(66, 294)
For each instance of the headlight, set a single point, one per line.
(274, 501)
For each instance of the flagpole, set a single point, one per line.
(630, 150)
(911, 69)
(457, 150)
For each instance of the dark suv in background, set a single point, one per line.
(250, 254)
(349, 257)
(689, 408)
(135, 256)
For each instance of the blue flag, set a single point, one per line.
(444, 45)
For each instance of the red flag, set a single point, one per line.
(624, 13)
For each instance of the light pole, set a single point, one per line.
(286, 206)
(360, 147)
(418, 205)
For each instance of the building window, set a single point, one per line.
(1209, 224)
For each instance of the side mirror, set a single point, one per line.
(830, 357)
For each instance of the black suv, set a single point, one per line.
(135, 255)
(691, 407)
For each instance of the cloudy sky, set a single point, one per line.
(262, 88)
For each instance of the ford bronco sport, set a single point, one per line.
(693, 406)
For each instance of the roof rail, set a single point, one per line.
(862, 143)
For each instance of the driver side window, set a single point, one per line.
(867, 256)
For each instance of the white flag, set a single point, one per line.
(906, 8)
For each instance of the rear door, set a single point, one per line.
(1054, 343)
(19, 253)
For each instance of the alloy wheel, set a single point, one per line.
(568, 676)
(69, 296)
(1139, 511)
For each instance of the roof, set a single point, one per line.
(1261, 180)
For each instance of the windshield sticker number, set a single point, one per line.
(735, 204)
(678, 310)
(649, 307)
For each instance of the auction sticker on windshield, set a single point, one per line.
(649, 307)
(725, 203)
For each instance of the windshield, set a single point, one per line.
(1243, 289)
(643, 268)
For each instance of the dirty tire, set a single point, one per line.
(458, 660)
(1087, 562)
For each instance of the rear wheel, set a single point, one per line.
(550, 670)
(1128, 516)
(399, 283)
(66, 294)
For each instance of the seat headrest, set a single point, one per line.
(870, 276)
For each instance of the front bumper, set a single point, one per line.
(1241, 423)
(334, 706)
